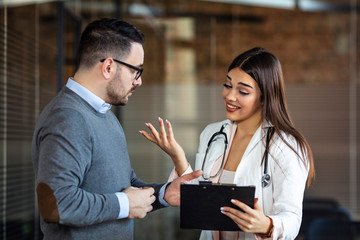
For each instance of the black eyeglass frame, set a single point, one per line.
(139, 70)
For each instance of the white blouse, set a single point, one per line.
(228, 177)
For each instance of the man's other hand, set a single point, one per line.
(140, 200)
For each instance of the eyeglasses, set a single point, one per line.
(138, 70)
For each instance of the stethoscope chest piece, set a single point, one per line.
(265, 180)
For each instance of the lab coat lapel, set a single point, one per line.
(248, 171)
(258, 135)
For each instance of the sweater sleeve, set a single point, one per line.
(64, 147)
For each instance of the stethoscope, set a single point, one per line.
(219, 133)
(265, 179)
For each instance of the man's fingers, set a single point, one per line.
(192, 175)
(152, 198)
(150, 190)
(140, 200)
(150, 208)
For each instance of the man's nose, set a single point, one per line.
(138, 82)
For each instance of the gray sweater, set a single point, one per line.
(80, 159)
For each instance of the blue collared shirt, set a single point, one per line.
(102, 107)
(97, 103)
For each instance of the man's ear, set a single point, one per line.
(107, 68)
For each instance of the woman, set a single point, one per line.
(264, 149)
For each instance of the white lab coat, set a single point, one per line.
(282, 199)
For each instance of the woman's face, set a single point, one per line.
(242, 97)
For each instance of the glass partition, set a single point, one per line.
(188, 47)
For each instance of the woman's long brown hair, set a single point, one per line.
(265, 69)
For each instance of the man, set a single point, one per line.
(86, 187)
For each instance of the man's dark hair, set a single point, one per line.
(107, 38)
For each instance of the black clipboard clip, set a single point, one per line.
(215, 184)
(205, 183)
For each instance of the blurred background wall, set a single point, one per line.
(189, 45)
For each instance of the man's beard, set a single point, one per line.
(114, 97)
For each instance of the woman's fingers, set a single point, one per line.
(163, 134)
(236, 212)
(166, 141)
(149, 137)
(153, 136)
(241, 205)
(161, 137)
(170, 131)
(153, 131)
(257, 205)
(239, 221)
(248, 219)
(240, 218)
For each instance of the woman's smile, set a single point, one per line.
(231, 107)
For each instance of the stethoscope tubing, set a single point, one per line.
(265, 179)
(221, 132)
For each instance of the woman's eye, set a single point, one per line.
(227, 86)
(243, 93)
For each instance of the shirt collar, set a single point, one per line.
(97, 103)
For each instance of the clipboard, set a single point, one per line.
(200, 205)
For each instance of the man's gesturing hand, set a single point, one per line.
(172, 193)
(140, 200)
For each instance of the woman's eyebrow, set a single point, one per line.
(239, 83)
(244, 84)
